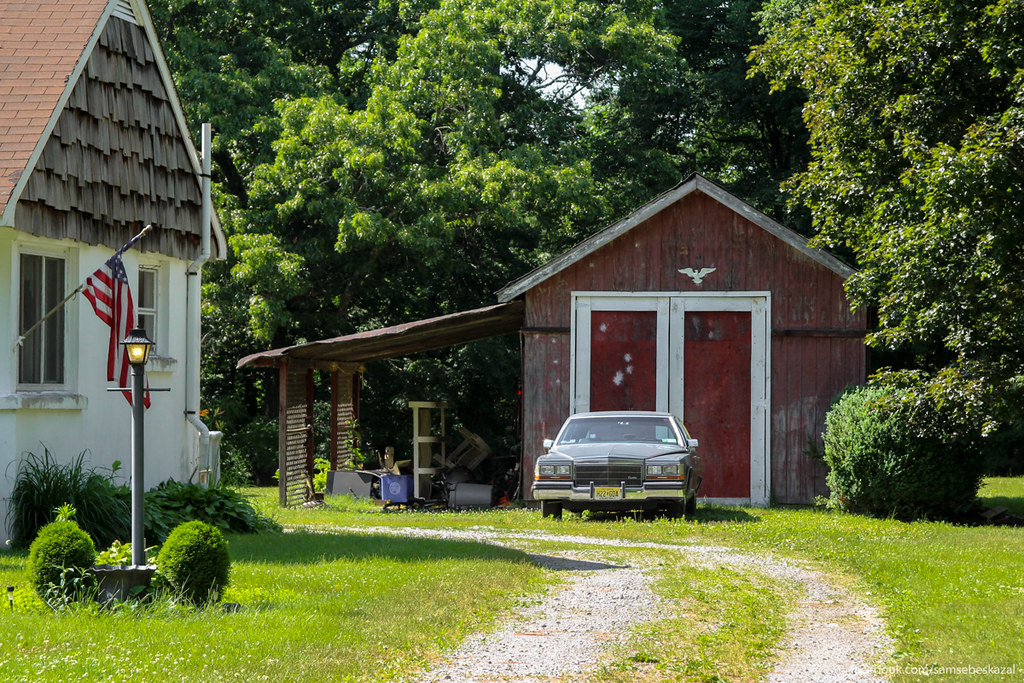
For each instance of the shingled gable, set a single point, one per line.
(695, 183)
(93, 141)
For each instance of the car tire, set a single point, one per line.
(674, 509)
(549, 508)
(691, 506)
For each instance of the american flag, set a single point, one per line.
(108, 291)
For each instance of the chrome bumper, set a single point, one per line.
(543, 490)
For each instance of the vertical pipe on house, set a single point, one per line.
(207, 439)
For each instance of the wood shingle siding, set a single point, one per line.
(115, 160)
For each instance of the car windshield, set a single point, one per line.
(609, 429)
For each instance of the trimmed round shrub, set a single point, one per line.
(57, 547)
(892, 451)
(194, 562)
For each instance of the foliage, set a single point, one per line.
(916, 116)
(893, 450)
(320, 469)
(249, 449)
(58, 548)
(119, 553)
(194, 562)
(43, 481)
(64, 513)
(379, 162)
(72, 587)
(172, 503)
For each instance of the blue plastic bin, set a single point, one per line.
(396, 487)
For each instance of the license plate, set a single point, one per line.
(606, 492)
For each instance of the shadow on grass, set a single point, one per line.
(302, 547)
(715, 513)
(570, 564)
(705, 514)
(1015, 506)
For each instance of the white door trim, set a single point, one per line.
(671, 308)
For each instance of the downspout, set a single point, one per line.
(209, 442)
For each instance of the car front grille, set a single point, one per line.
(608, 474)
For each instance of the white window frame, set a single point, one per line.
(70, 313)
(146, 269)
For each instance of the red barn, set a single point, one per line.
(698, 304)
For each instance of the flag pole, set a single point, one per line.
(22, 338)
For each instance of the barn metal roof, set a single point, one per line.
(401, 340)
(695, 183)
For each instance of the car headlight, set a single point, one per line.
(663, 470)
(559, 471)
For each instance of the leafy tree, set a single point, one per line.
(917, 136)
(381, 161)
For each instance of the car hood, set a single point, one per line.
(638, 451)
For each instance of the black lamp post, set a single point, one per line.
(138, 345)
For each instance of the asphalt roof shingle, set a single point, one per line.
(40, 45)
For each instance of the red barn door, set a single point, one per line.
(702, 357)
(623, 351)
(716, 398)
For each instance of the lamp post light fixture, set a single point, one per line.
(138, 345)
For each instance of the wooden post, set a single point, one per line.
(282, 433)
(334, 420)
(357, 383)
(310, 446)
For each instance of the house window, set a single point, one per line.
(41, 358)
(146, 307)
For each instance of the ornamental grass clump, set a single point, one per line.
(59, 547)
(44, 481)
(194, 562)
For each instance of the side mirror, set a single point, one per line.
(548, 443)
(691, 444)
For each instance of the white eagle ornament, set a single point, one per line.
(697, 275)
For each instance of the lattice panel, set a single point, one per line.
(296, 434)
(345, 415)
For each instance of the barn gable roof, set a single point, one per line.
(695, 183)
(75, 161)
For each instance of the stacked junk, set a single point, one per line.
(434, 477)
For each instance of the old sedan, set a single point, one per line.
(619, 461)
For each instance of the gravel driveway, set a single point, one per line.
(834, 635)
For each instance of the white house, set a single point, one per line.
(93, 147)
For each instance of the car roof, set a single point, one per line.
(622, 413)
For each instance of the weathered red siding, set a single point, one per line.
(816, 347)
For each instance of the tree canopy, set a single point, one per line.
(916, 117)
(386, 160)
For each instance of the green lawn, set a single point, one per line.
(952, 595)
(344, 606)
(330, 607)
(1006, 492)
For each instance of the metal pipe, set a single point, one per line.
(138, 476)
(193, 307)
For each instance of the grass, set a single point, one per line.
(329, 606)
(1007, 492)
(716, 624)
(343, 606)
(952, 595)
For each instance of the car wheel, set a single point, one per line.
(691, 506)
(549, 508)
(674, 509)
